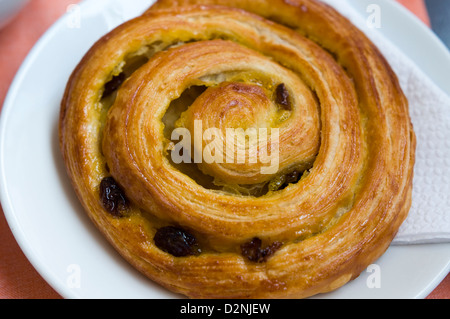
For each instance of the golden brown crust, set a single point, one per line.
(347, 126)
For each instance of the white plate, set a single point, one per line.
(49, 223)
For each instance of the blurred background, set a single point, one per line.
(439, 14)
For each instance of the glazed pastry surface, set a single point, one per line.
(324, 177)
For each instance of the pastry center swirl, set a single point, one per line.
(236, 129)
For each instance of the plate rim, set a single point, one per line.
(6, 202)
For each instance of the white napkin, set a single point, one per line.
(429, 218)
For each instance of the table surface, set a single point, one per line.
(18, 278)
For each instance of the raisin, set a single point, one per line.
(113, 197)
(176, 241)
(293, 177)
(283, 181)
(253, 251)
(270, 250)
(277, 183)
(282, 97)
(114, 84)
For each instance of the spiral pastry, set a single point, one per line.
(311, 188)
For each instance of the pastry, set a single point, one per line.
(240, 149)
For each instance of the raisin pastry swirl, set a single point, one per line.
(215, 229)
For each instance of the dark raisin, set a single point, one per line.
(270, 250)
(282, 97)
(176, 241)
(253, 251)
(276, 183)
(114, 84)
(287, 179)
(293, 177)
(113, 197)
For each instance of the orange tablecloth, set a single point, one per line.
(18, 279)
